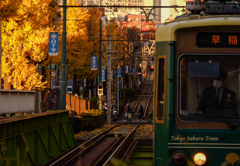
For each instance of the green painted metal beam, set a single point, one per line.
(35, 139)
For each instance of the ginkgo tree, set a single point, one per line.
(8, 8)
(25, 34)
(25, 40)
(78, 47)
(82, 42)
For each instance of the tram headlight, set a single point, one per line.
(199, 158)
(180, 158)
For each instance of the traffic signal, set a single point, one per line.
(100, 90)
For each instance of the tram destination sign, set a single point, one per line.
(218, 40)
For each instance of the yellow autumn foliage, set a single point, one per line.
(78, 45)
(25, 40)
(25, 34)
(89, 134)
(8, 8)
(94, 112)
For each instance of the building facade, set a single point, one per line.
(147, 28)
(119, 11)
(174, 12)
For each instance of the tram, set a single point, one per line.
(196, 57)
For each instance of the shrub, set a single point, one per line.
(93, 99)
(92, 119)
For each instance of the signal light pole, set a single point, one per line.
(100, 66)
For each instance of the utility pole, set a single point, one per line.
(1, 50)
(108, 80)
(100, 54)
(136, 68)
(100, 65)
(64, 55)
(124, 77)
(117, 78)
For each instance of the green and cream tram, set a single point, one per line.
(197, 58)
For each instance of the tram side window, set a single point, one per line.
(161, 89)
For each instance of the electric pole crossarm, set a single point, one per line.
(116, 6)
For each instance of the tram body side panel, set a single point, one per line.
(162, 127)
(219, 150)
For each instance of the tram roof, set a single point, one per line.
(166, 32)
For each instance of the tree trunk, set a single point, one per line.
(7, 85)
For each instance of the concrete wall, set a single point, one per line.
(18, 101)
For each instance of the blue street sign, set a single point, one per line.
(53, 44)
(119, 72)
(127, 69)
(133, 70)
(103, 75)
(111, 74)
(94, 62)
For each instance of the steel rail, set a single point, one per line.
(119, 148)
(146, 87)
(148, 101)
(79, 147)
(72, 159)
(108, 152)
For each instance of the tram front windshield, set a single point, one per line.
(209, 87)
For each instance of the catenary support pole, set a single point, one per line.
(109, 80)
(100, 53)
(100, 65)
(64, 55)
(136, 68)
(117, 78)
(124, 66)
(1, 50)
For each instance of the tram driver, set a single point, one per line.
(217, 100)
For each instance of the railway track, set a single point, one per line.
(71, 156)
(149, 108)
(145, 99)
(115, 143)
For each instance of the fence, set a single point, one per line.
(50, 99)
(76, 104)
(40, 100)
(18, 101)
